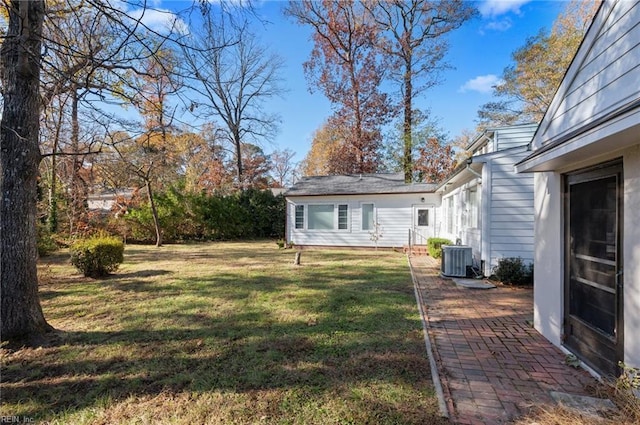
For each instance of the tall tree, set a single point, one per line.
(529, 84)
(413, 35)
(156, 85)
(283, 167)
(435, 161)
(20, 65)
(349, 70)
(234, 76)
(257, 166)
(20, 59)
(424, 127)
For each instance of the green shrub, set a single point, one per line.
(46, 242)
(434, 246)
(97, 256)
(513, 271)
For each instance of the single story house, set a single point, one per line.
(586, 163)
(361, 210)
(485, 204)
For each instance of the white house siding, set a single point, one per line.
(631, 252)
(511, 137)
(458, 229)
(606, 74)
(594, 118)
(549, 283)
(505, 200)
(510, 230)
(393, 212)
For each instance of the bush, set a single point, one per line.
(434, 246)
(97, 256)
(513, 271)
(46, 242)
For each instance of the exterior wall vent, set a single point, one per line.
(455, 259)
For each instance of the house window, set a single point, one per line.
(423, 217)
(328, 217)
(472, 197)
(367, 217)
(450, 215)
(343, 217)
(299, 216)
(320, 217)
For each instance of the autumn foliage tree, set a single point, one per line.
(412, 35)
(529, 84)
(346, 66)
(435, 161)
(233, 77)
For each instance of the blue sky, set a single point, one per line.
(479, 51)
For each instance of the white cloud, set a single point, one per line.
(482, 84)
(160, 20)
(500, 25)
(493, 8)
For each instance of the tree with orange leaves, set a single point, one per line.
(346, 66)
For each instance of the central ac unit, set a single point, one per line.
(455, 259)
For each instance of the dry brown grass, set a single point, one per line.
(228, 333)
(628, 412)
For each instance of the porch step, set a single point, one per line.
(415, 249)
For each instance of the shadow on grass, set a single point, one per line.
(339, 333)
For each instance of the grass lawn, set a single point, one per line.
(227, 333)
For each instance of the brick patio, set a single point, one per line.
(493, 364)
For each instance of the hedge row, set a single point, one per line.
(188, 216)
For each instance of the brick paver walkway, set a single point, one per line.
(493, 364)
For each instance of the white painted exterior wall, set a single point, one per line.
(549, 255)
(502, 226)
(395, 214)
(598, 102)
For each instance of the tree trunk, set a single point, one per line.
(74, 164)
(408, 122)
(20, 59)
(154, 213)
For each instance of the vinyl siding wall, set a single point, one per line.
(505, 200)
(606, 77)
(393, 212)
(511, 212)
(603, 78)
(512, 137)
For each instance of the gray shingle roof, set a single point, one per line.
(357, 184)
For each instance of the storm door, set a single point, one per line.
(423, 223)
(593, 275)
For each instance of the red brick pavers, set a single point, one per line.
(493, 364)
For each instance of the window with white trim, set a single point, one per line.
(368, 219)
(327, 217)
(299, 217)
(472, 206)
(423, 217)
(450, 214)
(343, 217)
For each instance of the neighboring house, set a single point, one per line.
(486, 204)
(586, 160)
(355, 210)
(105, 201)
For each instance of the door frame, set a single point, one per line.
(597, 172)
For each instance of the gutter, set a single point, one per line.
(471, 170)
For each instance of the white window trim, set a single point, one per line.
(375, 216)
(335, 217)
(295, 216)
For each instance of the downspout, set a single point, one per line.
(471, 170)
